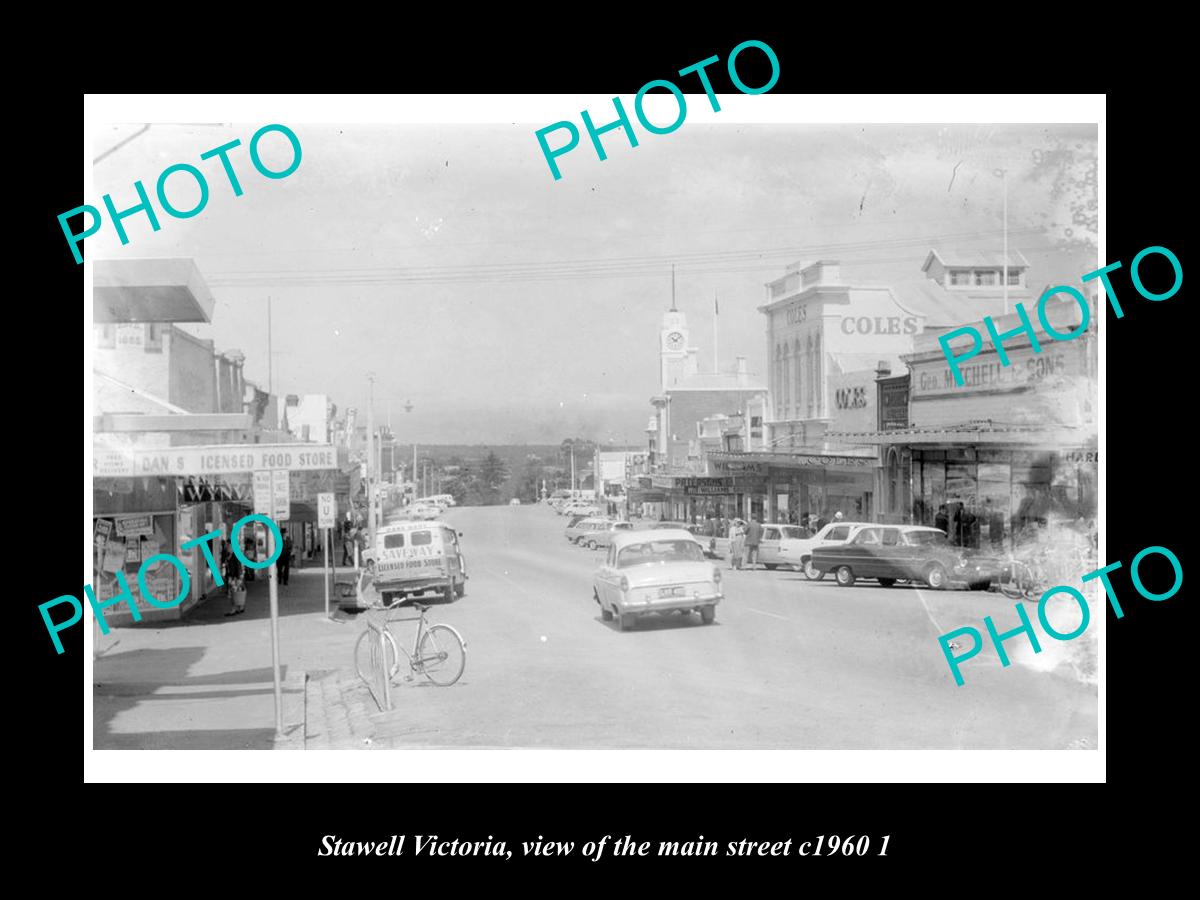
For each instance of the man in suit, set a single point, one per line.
(753, 538)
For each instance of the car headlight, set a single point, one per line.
(962, 562)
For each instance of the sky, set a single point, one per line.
(370, 253)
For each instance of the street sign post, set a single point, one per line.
(262, 492)
(281, 498)
(326, 511)
(267, 502)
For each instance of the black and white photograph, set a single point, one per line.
(772, 432)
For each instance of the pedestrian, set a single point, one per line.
(347, 545)
(941, 520)
(737, 543)
(753, 536)
(368, 595)
(821, 522)
(235, 585)
(995, 523)
(285, 557)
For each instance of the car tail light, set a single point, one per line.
(624, 583)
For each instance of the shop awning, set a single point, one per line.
(971, 433)
(150, 290)
(641, 495)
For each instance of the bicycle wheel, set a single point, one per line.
(442, 655)
(1009, 584)
(366, 654)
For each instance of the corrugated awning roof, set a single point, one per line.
(941, 308)
(953, 257)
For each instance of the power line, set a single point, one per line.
(607, 267)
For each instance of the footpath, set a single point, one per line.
(205, 682)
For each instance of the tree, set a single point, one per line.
(493, 472)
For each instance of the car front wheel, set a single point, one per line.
(845, 576)
(811, 572)
(936, 577)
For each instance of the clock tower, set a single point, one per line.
(673, 347)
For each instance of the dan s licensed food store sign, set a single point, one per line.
(129, 461)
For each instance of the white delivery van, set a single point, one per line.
(417, 558)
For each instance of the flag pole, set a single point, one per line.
(716, 315)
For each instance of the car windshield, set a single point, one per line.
(659, 552)
(926, 539)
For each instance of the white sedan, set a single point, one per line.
(798, 552)
(656, 572)
(424, 511)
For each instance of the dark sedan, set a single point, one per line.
(889, 553)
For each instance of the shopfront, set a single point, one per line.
(697, 498)
(996, 496)
(787, 487)
(148, 501)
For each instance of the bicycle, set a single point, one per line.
(1029, 578)
(1021, 581)
(439, 652)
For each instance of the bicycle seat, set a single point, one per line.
(420, 607)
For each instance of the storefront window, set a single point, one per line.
(995, 499)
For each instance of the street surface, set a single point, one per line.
(789, 663)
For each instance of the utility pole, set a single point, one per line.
(270, 354)
(1004, 180)
(370, 460)
(716, 316)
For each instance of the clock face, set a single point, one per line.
(675, 340)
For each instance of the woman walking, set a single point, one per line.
(235, 584)
(737, 543)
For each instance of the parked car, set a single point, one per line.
(602, 537)
(797, 552)
(775, 537)
(683, 525)
(657, 571)
(424, 511)
(585, 526)
(888, 553)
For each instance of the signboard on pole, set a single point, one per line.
(281, 495)
(326, 510)
(262, 492)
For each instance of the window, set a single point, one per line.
(770, 534)
(154, 337)
(421, 538)
(659, 551)
(926, 539)
(868, 536)
(960, 277)
(985, 277)
(837, 533)
(1014, 276)
(891, 537)
(392, 541)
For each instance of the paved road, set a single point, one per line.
(789, 663)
